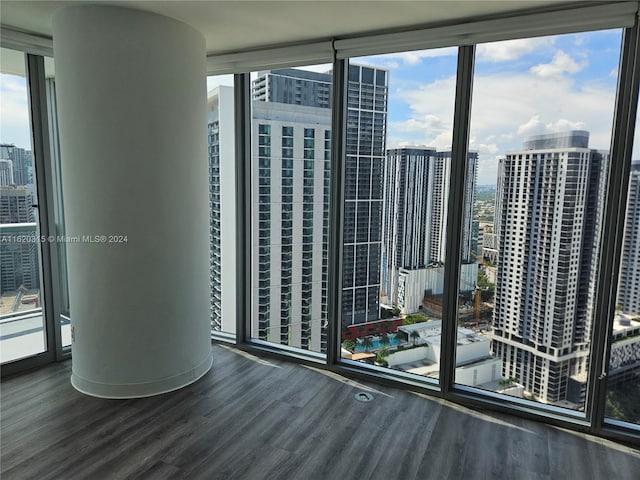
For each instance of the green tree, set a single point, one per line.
(484, 283)
(414, 318)
(366, 343)
(350, 345)
(381, 357)
(384, 339)
(414, 336)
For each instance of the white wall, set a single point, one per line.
(407, 356)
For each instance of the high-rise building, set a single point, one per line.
(293, 87)
(16, 205)
(221, 197)
(18, 257)
(22, 162)
(629, 283)
(364, 192)
(291, 156)
(291, 152)
(548, 222)
(6, 172)
(415, 215)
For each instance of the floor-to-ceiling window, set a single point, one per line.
(541, 122)
(397, 161)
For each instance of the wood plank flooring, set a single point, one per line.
(262, 418)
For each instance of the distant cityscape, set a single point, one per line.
(19, 267)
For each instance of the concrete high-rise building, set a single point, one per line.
(293, 87)
(18, 257)
(222, 218)
(22, 163)
(548, 222)
(291, 155)
(629, 282)
(6, 172)
(16, 205)
(292, 147)
(415, 216)
(290, 176)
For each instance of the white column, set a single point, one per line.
(131, 89)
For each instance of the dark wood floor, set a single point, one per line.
(257, 418)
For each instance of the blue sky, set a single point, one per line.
(521, 88)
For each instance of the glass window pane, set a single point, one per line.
(623, 379)
(541, 123)
(398, 160)
(22, 331)
(291, 112)
(222, 217)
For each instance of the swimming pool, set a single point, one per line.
(376, 345)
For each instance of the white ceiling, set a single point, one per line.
(241, 25)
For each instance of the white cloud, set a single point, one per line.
(613, 73)
(442, 141)
(506, 109)
(512, 49)
(531, 126)
(428, 123)
(398, 142)
(395, 60)
(562, 125)
(489, 148)
(535, 127)
(410, 125)
(560, 64)
(579, 39)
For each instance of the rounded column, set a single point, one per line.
(131, 90)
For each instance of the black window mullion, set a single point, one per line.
(242, 109)
(455, 219)
(336, 211)
(613, 227)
